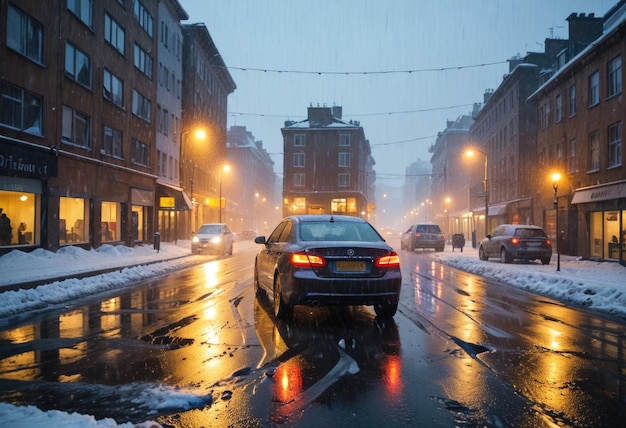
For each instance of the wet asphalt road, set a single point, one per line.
(461, 351)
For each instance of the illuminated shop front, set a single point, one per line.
(603, 207)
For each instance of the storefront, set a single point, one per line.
(603, 209)
(24, 169)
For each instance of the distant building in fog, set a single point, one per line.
(251, 186)
(328, 166)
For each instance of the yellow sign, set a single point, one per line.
(167, 202)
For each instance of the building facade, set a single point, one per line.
(580, 113)
(254, 200)
(328, 166)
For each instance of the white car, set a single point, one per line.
(215, 238)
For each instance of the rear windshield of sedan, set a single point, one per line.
(530, 233)
(428, 228)
(338, 231)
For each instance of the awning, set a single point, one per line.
(141, 197)
(498, 209)
(172, 197)
(602, 192)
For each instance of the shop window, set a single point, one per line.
(109, 221)
(595, 234)
(611, 234)
(298, 206)
(19, 218)
(73, 220)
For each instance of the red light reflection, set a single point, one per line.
(392, 377)
(288, 382)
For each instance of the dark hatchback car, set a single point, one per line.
(423, 235)
(516, 241)
(327, 260)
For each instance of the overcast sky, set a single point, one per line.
(400, 67)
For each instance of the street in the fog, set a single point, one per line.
(461, 351)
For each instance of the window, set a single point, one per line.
(594, 151)
(76, 128)
(114, 33)
(143, 17)
(73, 220)
(24, 34)
(594, 88)
(83, 9)
(345, 159)
(299, 140)
(615, 145)
(571, 159)
(143, 61)
(141, 106)
(109, 224)
(344, 140)
(298, 160)
(112, 143)
(20, 109)
(344, 179)
(141, 153)
(572, 100)
(614, 76)
(298, 180)
(77, 65)
(558, 109)
(113, 88)
(544, 115)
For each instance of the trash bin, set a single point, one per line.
(157, 241)
(473, 239)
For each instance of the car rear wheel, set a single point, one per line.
(282, 311)
(386, 309)
(481, 254)
(545, 260)
(505, 257)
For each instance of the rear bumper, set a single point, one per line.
(304, 288)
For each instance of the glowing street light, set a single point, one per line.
(555, 186)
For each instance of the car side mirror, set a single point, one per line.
(489, 236)
(259, 240)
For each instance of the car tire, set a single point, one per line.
(481, 254)
(386, 309)
(258, 291)
(545, 260)
(505, 257)
(282, 311)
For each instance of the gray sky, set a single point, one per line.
(454, 50)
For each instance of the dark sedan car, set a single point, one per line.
(423, 235)
(516, 241)
(325, 260)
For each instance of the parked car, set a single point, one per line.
(423, 235)
(327, 260)
(214, 238)
(516, 241)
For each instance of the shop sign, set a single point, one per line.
(20, 160)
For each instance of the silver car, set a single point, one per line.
(215, 238)
(516, 241)
(423, 235)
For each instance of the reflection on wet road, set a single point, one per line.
(198, 348)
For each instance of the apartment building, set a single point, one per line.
(580, 113)
(328, 166)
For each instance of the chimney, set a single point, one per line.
(319, 116)
(583, 29)
(337, 112)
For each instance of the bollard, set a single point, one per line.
(157, 241)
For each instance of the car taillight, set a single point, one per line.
(390, 260)
(514, 241)
(548, 242)
(307, 260)
(417, 235)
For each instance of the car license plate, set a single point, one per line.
(351, 266)
(534, 244)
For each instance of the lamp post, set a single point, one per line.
(201, 135)
(555, 186)
(225, 168)
(449, 229)
(470, 152)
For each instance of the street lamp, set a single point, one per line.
(200, 134)
(470, 152)
(225, 168)
(449, 229)
(555, 186)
